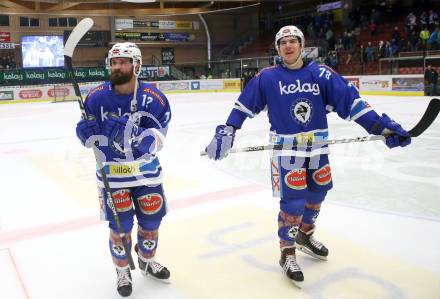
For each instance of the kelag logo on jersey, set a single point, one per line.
(302, 111)
(299, 87)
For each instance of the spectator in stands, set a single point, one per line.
(431, 77)
(424, 20)
(323, 45)
(432, 19)
(311, 31)
(351, 54)
(424, 36)
(438, 38)
(432, 41)
(397, 37)
(388, 50)
(362, 54)
(329, 37)
(7, 60)
(332, 60)
(369, 52)
(363, 22)
(338, 46)
(413, 40)
(354, 17)
(395, 49)
(381, 49)
(353, 39)
(272, 51)
(373, 28)
(411, 22)
(345, 40)
(375, 16)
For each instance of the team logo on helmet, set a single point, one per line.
(302, 111)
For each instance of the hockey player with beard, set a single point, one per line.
(129, 119)
(298, 95)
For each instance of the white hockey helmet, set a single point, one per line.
(290, 31)
(126, 50)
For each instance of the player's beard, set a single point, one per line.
(118, 77)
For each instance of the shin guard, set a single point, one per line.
(288, 226)
(147, 242)
(117, 251)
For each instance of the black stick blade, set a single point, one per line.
(427, 119)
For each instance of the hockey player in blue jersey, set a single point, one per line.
(298, 95)
(131, 128)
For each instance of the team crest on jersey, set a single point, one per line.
(302, 111)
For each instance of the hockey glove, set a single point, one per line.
(85, 129)
(114, 129)
(125, 132)
(393, 132)
(221, 143)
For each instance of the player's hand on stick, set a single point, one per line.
(221, 143)
(114, 129)
(393, 132)
(85, 129)
(141, 140)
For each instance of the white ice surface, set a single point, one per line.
(52, 244)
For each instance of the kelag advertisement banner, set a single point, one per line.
(48, 76)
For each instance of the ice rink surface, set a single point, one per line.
(381, 222)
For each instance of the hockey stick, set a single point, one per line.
(77, 33)
(427, 119)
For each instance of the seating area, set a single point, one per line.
(258, 48)
(412, 70)
(392, 33)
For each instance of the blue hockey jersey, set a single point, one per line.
(153, 111)
(297, 102)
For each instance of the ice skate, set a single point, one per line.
(124, 282)
(290, 267)
(308, 244)
(153, 269)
